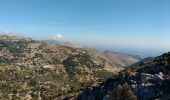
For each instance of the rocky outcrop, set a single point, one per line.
(149, 81)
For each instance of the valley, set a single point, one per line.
(39, 70)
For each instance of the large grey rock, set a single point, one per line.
(158, 77)
(106, 97)
(145, 77)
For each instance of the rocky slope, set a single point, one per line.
(147, 81)
(124, 59)
(32, 69)
(147, 59)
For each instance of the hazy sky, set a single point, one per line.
(135, 24)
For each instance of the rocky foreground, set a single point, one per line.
(147, 81)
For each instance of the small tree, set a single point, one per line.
(123, 92)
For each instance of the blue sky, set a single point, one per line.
(131, 25)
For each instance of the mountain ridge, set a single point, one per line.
(33, 67)
(125, 59)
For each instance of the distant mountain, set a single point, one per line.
(64, 43)
(124, 59)
(142, 61)
(9, 37)
(147, 81)
(51, 41)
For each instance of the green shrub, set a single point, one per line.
(38, 55)
(70, 65)
(54, 61)
(123, 92)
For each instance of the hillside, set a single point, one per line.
(147, 81)
(32, 69)
(147, 59)
(124, 59)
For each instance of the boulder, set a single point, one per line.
(145, 77)
(106, 97)
(158, 77)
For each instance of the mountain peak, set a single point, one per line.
(10, 37)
